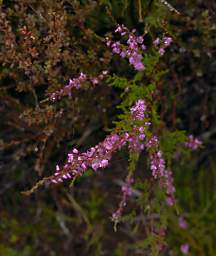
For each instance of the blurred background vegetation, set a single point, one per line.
(43, 44)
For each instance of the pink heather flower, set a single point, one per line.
(170, 200)
(108, 42)
(161, 51)
(76, 83)
(182, 223)
(104, 163)
(162, 44)
(139, 66)
(168, 184)
(82, 76)
(75, 151)
(136, 61)
(98, 156)
(157, 165)
(167, 41)
(121, 29)
(133, 49)
(153, 142)
(94, 80)
(143, 47)
(184, 248)
(135, 140)
(156, 41)
(170, 189)
(193, 143)
(138, 110)
(123, 54)
(116, 48)
(95, 166)
(139, 39)
(126, 192)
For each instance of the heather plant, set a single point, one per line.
(133, 128)
(102, 112)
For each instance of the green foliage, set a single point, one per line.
(170, 141)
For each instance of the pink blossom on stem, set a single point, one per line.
(168, 184)
(159, 171)
(126, 192)
(157, 165)
(156, 41)
(161, 51)
(132, 50)
(121, 29)
(193, 143)
(99, 156)
(76, 83)
(184, 248)
(138, 110)
(163, 43)
(182, 223)
(167, 41)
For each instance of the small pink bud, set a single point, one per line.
(182, 223)
(75, 151)
(184, 248)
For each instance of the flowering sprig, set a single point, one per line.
(126, 193)
(185, 248)
(76, 83)
(137, 136)
(193, 143)
(159, 171)
(132, 51)
(96, 157)
(162, 44)
(135, 47)
(138, 111)
(99, 156)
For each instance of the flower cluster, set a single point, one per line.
(193, 143)
(137, 112)
(184, 248)
(96, 157)
(162, 43)
(159, 171)
(169, 187)
(76, 83)
(157, 165)
(99, 156)
(132, 51)
(136, 139)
